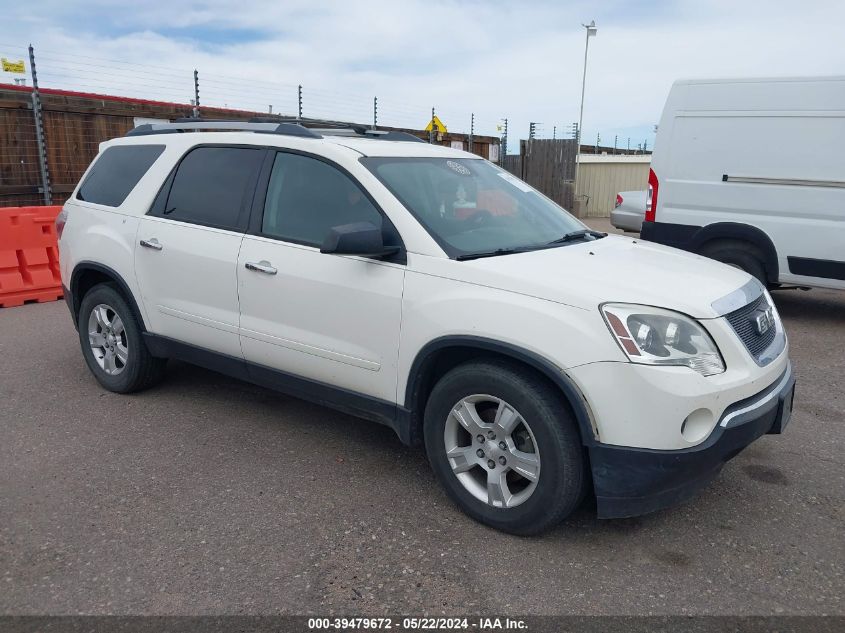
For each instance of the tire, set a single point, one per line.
(104, 313)
(740, 255)
(554, 448)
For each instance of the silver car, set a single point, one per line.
(630, 210)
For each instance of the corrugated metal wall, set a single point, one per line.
(602, 177)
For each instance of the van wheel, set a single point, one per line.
(505, 446)
(738, 254)
(112, 344)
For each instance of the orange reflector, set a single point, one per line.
(616, 324)
(629, 346)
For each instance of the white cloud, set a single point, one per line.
(497, 59)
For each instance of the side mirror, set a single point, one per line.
(362, 238)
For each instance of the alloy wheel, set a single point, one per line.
(492, 451)
(107, 338)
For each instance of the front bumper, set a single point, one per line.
(633, 481)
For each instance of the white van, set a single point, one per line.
(751, 172)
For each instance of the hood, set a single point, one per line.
(611, 269)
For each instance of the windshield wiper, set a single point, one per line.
(569, 237)
(495, 253)
(577, 235)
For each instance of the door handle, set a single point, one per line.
(151, 243)
(262, 267)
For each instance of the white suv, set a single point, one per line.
(429, 290)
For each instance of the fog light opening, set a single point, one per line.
(697, 425)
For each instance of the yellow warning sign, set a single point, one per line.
(13, 67)
(436, 125)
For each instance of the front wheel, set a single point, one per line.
(505, 446)
(112, 344)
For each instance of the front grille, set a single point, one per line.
(742, 321)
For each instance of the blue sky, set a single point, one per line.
(520, 60)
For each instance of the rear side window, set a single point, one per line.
(116, 173)
(213, 186)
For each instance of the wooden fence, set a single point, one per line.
(76, 123)
(548, 165)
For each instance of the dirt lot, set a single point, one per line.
(207, 495)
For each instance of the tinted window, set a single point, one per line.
(116, 173)
(212, 186)
(306, 197)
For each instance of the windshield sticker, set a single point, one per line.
(458, 168)
(516, 182)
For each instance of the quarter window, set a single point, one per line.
(213, 185)
(116, 172)
(307, 197)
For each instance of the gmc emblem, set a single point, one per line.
(763, 320)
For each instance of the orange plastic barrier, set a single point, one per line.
(29, 255)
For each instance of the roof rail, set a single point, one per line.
(343, 128)
(313, 123)
(287, 126)
(184, 125)
(393, 135)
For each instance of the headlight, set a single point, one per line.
(652, 336)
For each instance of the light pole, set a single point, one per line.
(591, 31)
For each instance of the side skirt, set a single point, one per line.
(343, 400)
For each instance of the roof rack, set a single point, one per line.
(381, 135)
(274, 125)
(329, 127)
(184, 125)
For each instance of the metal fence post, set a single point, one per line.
(431, 131)
(504, 148)
(46, 189)
(375, 112)
(196, 94)
(471, 129)
(299, 101)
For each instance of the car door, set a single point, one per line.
(327, 318)
(187, 251)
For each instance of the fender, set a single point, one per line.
(74, 299)
(743, 232)
(425, 357)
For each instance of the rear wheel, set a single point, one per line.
(112, 344)
(738, 254)
(505, 446)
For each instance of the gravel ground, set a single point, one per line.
(207, 495)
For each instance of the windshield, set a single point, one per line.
(470, 206)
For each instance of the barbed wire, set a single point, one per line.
(171, 83)
(22, 156)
